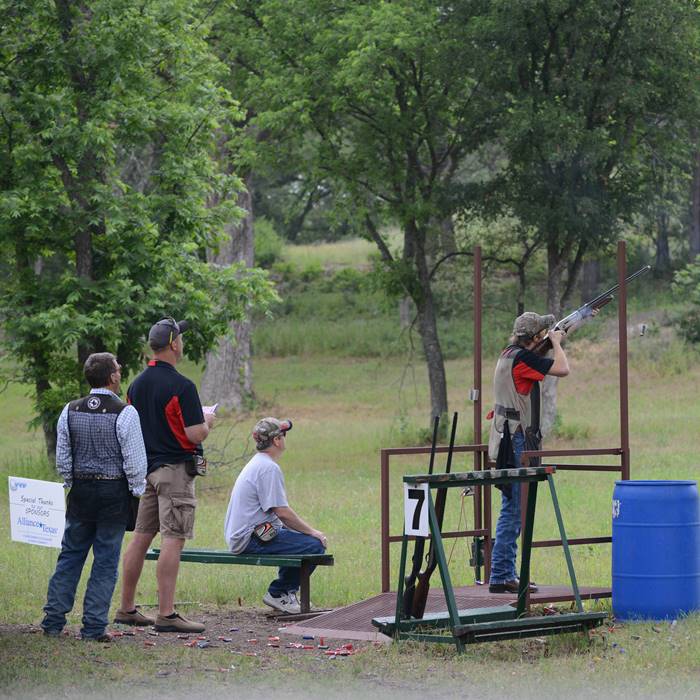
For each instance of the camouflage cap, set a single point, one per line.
(267, 429)
(531, 323)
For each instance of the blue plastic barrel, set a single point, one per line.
(655, 549)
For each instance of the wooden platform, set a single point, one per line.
(355, 621)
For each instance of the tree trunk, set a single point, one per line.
(556, 264)
(522, 286)
(548, 413)
(695, 203)
(448, 244)
(590, 280)
(663, 255)
(427, 324)
(406, 312)
(228, 377)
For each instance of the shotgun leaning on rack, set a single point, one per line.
(577, 318)
(417, 562)
(420, 597)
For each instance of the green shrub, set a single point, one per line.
(573, 432)
(269, 245)
(686, 285)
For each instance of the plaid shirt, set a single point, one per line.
(130, 439)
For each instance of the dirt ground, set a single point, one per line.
(249, 632)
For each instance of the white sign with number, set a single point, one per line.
(415, 500)
(37, 511)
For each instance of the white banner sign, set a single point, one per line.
(37, 511)
(415, 500)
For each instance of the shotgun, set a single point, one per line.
(577, 318)
(420, 597)
(410, 580)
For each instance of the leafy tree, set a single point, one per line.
(586, 80)
(94, 251)
(686, 285)
(387, 100)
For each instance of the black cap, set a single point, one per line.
(164, 332)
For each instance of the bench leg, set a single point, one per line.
(304, 585)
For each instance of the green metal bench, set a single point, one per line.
(498, 622)
(303, 562)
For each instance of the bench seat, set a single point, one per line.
(222, 556)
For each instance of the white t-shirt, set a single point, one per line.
(258, 489)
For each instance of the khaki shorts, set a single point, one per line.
(168, 503)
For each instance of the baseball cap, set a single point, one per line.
(267, 429)
(531, 323)
(165, 331)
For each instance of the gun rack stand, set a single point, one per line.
(462, 627)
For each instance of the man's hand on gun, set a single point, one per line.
(556, 336)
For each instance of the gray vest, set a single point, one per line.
(509, 405)
(92, 424)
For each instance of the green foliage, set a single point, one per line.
(109, 195)
(570, 431)
(269, 246)
(586, 86)
(686, 285)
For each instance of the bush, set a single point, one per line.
(686, 285)
(269, 245)
(573, 432)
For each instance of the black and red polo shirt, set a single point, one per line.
(527, 368)
(167, 403)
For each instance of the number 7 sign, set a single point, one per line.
(415, 499)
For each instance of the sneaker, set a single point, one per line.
(52, 633)
(285, 603)
(133, 618)
(177, 624)
(511, 587)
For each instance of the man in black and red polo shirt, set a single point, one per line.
(173, 425)
(516, 413)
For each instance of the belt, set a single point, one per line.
(509, 413)
(98, 477)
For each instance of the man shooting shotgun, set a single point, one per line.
(516, 415)
(420, 597)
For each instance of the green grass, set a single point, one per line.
(344, 411)
(349, 252)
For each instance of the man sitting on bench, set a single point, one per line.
(259, 519)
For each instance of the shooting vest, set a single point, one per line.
(92, 424)
(520, 410)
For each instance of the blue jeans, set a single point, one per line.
(105, 538)
(505, 548)
(286, 542)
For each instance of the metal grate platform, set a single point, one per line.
(355, 621)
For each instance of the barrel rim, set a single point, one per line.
(655, 482)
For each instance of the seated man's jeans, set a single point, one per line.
(105, 538)
(505, 548)
(286, 542)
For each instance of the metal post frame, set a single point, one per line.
(622, 340)
(483, 511)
